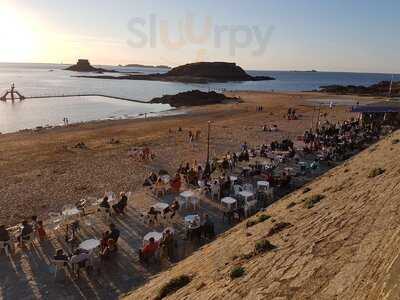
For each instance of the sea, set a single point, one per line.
(52, 80)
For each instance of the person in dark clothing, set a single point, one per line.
(114, 233)
(104, 203)
(4, 234)
(26, 230)
(119, 208)
(60, 255)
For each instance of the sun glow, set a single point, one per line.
(19, 35)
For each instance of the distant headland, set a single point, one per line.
(201, 72)
(379, 89)
(146, 66)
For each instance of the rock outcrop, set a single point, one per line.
(380, 89)
(194, 98)
(83, 65)
(217, 71)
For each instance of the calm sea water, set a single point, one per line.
(47, 79)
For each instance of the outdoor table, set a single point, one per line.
(160, 206)
(89, 245)
(71, 212)
(154, 234)
(186, 195)
(229, 201)
(262, 184)
(190, 219)
(233, 178)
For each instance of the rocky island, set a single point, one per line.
(195, 98)
(83, 65)
(379, 89)
(201, 72)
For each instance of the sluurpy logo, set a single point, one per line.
(154, 32)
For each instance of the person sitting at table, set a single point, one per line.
(26, 230)
(34, 223)
(5, 237)
(40, 230)
(176, 184)
(148, 252)
(61, 256)
(104, 203)
(108, 248)
(79, 259)
(150, 180)
(119, 208)
(168, 243)
(159, 189)
(153, 214)
(207, 227)
(104, 239)
(114, 232)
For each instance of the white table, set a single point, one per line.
(160, 206)
(263, 184)
(157, 236)
(190, 219)
(71, 212)
(229, 201)
(246, 194)
(89, 245)
(187, 194)
(186, 197)
(233, 178)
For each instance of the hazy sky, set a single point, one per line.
(348, 35)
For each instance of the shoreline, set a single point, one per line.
(320, 97)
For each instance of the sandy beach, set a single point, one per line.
(42, 171)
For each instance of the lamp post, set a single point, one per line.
(208, 167)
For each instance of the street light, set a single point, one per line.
(208, 167)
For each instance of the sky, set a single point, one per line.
(334, 35)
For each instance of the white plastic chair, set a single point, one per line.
(237, 189)
(215, 191)
(195, 202)
(59, 265)
(248, 187)
(182, 202)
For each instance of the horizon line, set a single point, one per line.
(248, 69)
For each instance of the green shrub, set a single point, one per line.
(251, 223)
(237, 272)
(263, 246)
(311, 201)
(278, 227)
(260, 219)
(263, 218)
(247, 255)
(375, 172)
(173, 285)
